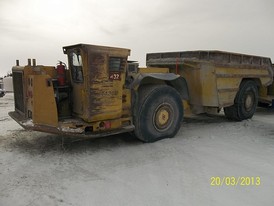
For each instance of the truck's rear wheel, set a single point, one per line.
(245, 102)
(159, 113)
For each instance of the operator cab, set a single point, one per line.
(97, 76)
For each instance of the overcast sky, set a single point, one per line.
(39, 28)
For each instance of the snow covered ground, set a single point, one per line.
(42, 169)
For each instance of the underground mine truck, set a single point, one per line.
(101, 93)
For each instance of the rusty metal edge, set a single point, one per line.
(53, 130)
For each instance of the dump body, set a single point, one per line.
(214, 77)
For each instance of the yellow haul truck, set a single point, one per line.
(101, 93)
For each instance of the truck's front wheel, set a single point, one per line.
(245, 102)
(159, 113)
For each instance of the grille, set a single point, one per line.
(18, 91)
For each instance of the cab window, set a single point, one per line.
(76, 65)
(115, 64)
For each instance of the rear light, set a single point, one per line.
(105, 125)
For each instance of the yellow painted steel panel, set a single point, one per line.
(153, 70)
(44, 110)
(201, 81)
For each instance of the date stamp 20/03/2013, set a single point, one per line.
(235, 181)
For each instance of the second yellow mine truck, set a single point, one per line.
(101, 93)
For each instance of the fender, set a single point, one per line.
(176, 81)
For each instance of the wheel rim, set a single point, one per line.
(163, 116)
(249, 102)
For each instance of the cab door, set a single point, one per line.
(107, 77)
(77, 81)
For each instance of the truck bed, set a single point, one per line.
(214, 77)
(220, 57)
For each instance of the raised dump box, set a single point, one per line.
(219, 79)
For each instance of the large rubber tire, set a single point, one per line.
(245, 102)
(159, 113)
